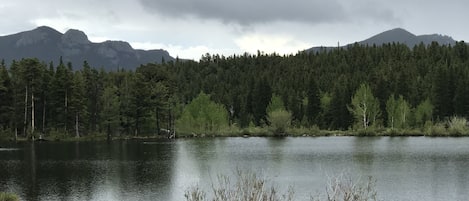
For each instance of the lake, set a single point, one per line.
(405, 168)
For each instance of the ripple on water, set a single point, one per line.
(9, 149)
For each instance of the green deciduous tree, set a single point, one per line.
(202, 115)
(423, 112)
(398, 111)
(276, 103)
(280, 120)
(364, 106)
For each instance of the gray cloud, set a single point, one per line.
(247, 12)
(197, 26)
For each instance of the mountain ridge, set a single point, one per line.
(396, 35)
(49, 45)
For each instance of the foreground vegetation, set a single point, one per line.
(358, 90)
(8, 197)
(250, 187)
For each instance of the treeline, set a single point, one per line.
(389, 86)
(39, 98)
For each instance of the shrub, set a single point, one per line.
(280, 120)
(457, 126)
(437, 129)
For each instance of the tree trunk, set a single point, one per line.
(365, 119)
(169, 121)
(66, 110)
(157, 122)
(108, 132)
(44, 116)
(32, 111)
(77, 132)
(137, 119)
(392, 122)
(25, 111)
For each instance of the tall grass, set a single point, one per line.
(8, 197)
(345, 188)
(250, 187)
(245, 187)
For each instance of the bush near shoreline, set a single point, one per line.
(8, 197)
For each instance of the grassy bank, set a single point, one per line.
(429, 130)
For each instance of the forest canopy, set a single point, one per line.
(390, 86)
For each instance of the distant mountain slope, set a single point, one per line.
(398, 35)
(47, 44)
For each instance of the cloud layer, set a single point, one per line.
(248, 12)
(190, 28)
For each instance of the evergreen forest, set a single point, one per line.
(392, 88)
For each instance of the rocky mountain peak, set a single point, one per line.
(74, 36)
(40, 34)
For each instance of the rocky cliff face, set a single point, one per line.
(73, 46)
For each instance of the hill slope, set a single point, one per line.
(48, 44)
(398, 35)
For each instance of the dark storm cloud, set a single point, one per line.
(247, 12)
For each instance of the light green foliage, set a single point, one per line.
(325, 101)
(280, 120)
(365, 107)
(398, 112)
(278, 117)
(202, 115)
(457, 126)
(276, 103)
(423, 112)
(437, 129)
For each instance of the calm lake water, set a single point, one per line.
(408, 168)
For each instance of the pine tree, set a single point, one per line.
(77, 102)
(6, 98)
(261, 95)
(110, 111)
(313, 109)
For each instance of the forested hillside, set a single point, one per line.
(390, 86)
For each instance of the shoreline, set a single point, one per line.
(247, 134)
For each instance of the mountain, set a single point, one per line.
(398, 35)
(73, 46)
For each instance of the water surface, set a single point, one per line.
(408, 168)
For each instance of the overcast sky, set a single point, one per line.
(190, 28)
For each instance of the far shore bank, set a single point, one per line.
(246, 133)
